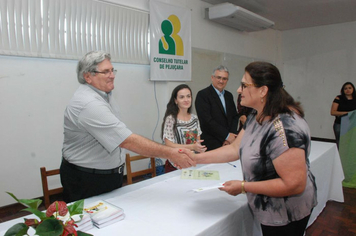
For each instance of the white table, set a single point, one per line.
(166, 205)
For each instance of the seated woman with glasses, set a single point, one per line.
(273, 146)
(180, 128)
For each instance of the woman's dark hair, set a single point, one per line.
(278, 99)
(343, 92)
(172, 107)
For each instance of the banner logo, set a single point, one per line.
(171, 43)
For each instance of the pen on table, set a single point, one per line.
(231, 164)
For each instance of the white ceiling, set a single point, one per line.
(294, 14)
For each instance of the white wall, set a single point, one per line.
(34, 93)
(317, 61)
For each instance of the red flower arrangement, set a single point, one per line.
(56, 221)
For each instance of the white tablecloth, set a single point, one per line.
(166, 205)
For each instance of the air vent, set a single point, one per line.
(237, 17)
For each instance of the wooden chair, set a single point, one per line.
(131, 174)
(48, 192)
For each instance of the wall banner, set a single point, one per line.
(170, 42)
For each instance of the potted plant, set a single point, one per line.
(56, 221)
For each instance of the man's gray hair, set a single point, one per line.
(89, 63)
(221, 68)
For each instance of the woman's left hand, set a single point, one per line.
(198, 147)
(232, 187)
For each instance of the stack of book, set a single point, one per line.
(83, 222)
(103, 213)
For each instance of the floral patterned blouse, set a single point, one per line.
(186, 132)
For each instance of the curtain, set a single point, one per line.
(347, 149)
(68, 29)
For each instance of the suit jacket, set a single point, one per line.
(214, 122)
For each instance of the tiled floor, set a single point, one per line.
(337, 219)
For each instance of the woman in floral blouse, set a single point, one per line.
(180, 128)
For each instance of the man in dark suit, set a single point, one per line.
(216, 111)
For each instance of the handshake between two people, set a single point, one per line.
(184, 158)
(187, 158)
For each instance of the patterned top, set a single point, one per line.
(186, 132)
(260, 145)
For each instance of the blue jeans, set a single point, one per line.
(337, 128)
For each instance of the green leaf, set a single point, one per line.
(13, 196)
(76, 208)
(49, 227)
(18, 229)
(36, 212)
(80, 233)
(31, 203)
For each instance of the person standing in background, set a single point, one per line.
(216, 111)
(180, 128)
(342, 105)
